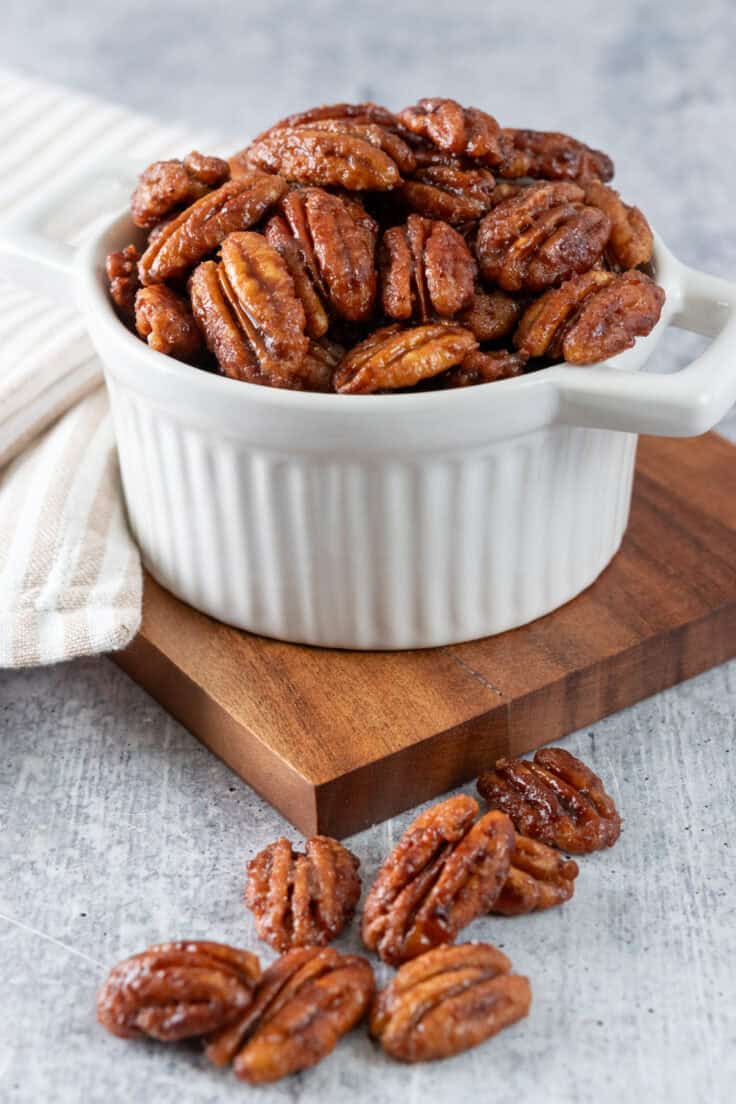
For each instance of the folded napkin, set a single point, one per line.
(70, 573)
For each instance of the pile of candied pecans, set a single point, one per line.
(350, 249)
(449, 868)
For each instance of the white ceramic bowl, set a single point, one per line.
(383, 521)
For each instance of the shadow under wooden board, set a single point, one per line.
(339, 740)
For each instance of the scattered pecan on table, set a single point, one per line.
(302, 899)
(554, 798)
(539, 879)
(448, 1000)
(304, 1003)
(447, 869)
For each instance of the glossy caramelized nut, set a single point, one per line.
(554, 798)
(427, 270)
(450, 192)
(302, 899)
(328, 244)
(492, 315)
(187, 239)
(121, 269)
(249, 312)
(166, 186)
(382, 137)
(465, 131)
(395, 357)
(539, 878)
(591, 317)
(631, 241)
(447, 869)
(539, 237)
(165, 320)
(309, 155)
(319, 366)
(305, 1002)
(447, 1001)
(549, 155)
(485, 367)
(175, 991)
(367, 112)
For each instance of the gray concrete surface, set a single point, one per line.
(117, 829)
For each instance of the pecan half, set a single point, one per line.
(121, 268)
(302, 900)
(427, 269)
(166, 186)
(540, 236)
(328, 244)
(459, 130)
(305, 1002)
(631, 242)
(250, 315)
(177, 990)
(591, 317)
(549, 155)
(445, 871)
(381, 137)
(395, 357)
(449, 192)
(165, 320)
(554, 798)
(186, 240)
(485, 367)
(539, 878)
(492, 314)
(367, 112)
(447, 1001)
(319, 366)
(309, 155)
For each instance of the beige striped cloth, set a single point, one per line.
(70, 574)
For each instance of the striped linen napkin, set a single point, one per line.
(70, 573)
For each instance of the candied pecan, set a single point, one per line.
(549, 155)
(555, 799)
(630, 243)
(165, 320)
(249, 312)
(540, 236)
(176, 990)
(302, 900)
(492, 314)
(591, 317)
(328, 244)
(322, 359)
(305, 1002)
(197, 231)
(168, 185)
(448, 1000)
(122, 277)
(382, 137)
(312, 156)
(485, 367)
(427, 269)
(394, 357)
(367, 112)
(456, 129)
(445, 871)
(539, 878)
(449, 192)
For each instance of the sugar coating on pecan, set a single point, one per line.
(591, 317)
(121, 268)
(450, 192)
(395, 357)
(175, 991)
(426, 270)
(467, 131)
(308, 155)
(165, 320)
(166, 186)
(382, 137)
(554, 798)
(492, 315)
(305, 1002)
(485, 367)
(198, 230)
(631, 242)
(539, 237)
(446, 870)
(302, 899)
(539, 878)
(448, 1000)
(549, 155)
(249, 312)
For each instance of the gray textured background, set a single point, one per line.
(117, 829)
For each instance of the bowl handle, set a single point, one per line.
(31, 254)
(682, 404)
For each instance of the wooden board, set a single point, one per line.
(339, 740)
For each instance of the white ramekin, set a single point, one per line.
(386, 521)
